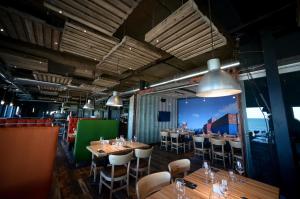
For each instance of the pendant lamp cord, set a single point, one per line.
(211, 29)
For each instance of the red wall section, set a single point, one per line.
(27, 157)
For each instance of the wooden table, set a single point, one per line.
(107, 149)
(249, 188)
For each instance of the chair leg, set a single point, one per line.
(136, 176)
(224, 162)
(95, 173)
(111, 189)
(183, 147)
(127, 185)
(100, 185)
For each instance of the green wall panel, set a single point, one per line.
(90, 130)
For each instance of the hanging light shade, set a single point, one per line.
(2, 102)
(89, 105)
(217, 83)
(115, 100)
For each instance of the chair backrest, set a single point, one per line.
(143, 153)
(198, 139)
(120, 159)
(217, 142)
(152, 183)
(174, 135)
(179, 167)
(164, 134)
(236, 145)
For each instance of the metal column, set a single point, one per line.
(279, 119)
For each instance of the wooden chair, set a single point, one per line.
(236, 151)
(164, 140)
(199, 148)
(152, 183)
(95, 162)
(179, 168)
(175, 143)
(117, 171)
(217, 150)
(142, 162)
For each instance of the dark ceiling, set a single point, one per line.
(234, 18)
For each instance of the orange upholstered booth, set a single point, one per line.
(21, 122)
(27, 157)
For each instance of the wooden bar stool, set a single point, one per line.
(142, 162)
(118, 171)
(236, 151)
(164, 140)
(152, 183)
(176, 143)
(199, 148)
(179, 168)
(218, 152)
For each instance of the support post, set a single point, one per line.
(279, 119)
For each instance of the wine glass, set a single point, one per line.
(212, 176)
(224, 188)
(239, 168)
(206, 170)
(180, 188)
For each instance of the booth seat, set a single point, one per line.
(27, 161)
(73, 121)
(22, 122)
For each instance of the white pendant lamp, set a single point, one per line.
(217, 83)
(89, 105)
(115, 100)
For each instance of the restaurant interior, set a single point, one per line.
(157, 99)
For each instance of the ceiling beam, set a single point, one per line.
(188, 90)
(55, 56)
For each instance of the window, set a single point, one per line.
(257, 120)
(296, 112)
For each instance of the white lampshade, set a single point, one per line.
(115, 100)
(89, 105)
(217, 83)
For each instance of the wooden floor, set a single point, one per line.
(76, 183)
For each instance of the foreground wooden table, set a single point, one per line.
(107, 149)
(249, 188)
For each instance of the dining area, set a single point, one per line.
(149, 99)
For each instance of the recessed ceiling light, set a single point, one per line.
(1, 29)
(56, 43)
(60, 11)
(129, 48)
(95, 59)
(233, 97)
(157, 41)
(40, 62)
(84, 30)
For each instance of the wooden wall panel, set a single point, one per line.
(128, 54)
(105, 16)
(86, 42)
(186, 33)
(27, 28)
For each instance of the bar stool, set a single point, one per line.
(164, 139)
(236, 151)
(117, 171)
(199, 148)
(179, 168)
(218, 152)
(142, 162)
(176, 143)
(152, 183)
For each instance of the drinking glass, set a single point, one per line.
(180, 188)
(232, 176)
(135, 138)
(206, 171)
(101, 140)
(224, 188)
(212, 177)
